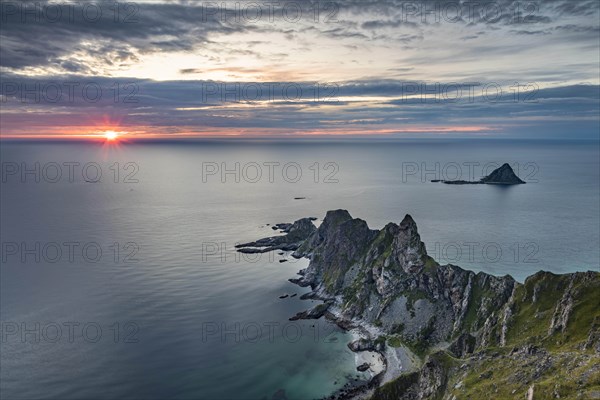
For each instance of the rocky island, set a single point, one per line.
(500, 176)
(444, 332)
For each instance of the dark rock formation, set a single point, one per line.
(463, 345)
(500, 176)
(314, 313)
(366, 345)
(430, 382)
(296, 233)
(385, 278)
(363, 367)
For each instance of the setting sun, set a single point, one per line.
(110, 135)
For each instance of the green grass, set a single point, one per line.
(530, 321)
(559, 369)
(508, 378)
(396, 388)
(412, 297)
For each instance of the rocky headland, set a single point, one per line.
(446, 333)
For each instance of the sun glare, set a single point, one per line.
(110, 135)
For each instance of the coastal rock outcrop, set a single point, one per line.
(315, 313)
(444, 314)
(386, 278)
(296, 233)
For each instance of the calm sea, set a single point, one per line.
(119, 278)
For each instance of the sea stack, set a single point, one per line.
(502, 176)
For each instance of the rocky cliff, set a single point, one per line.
(475, 333)
(387, 279)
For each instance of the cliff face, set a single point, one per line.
(478, 336)
(545, 345)
(386, 278)
(501, 339)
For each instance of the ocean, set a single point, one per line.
(119, 274)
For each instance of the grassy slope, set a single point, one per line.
(557, 365)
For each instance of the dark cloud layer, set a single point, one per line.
(201, 105)
(79, 48)
(38, 38)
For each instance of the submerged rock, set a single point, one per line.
(279, 395)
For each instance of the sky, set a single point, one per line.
(363, 68)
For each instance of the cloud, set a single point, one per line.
(370, 105)
(120, 37)
(374, 49)
(33, 38)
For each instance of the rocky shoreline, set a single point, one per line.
(365, 333)
(383, 287)
(363, 342)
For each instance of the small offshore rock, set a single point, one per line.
(314, 313)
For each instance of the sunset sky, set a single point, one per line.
(400, 69)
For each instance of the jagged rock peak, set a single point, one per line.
(408, 222)
(503, 176)
(336, 217)
(410, 251)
